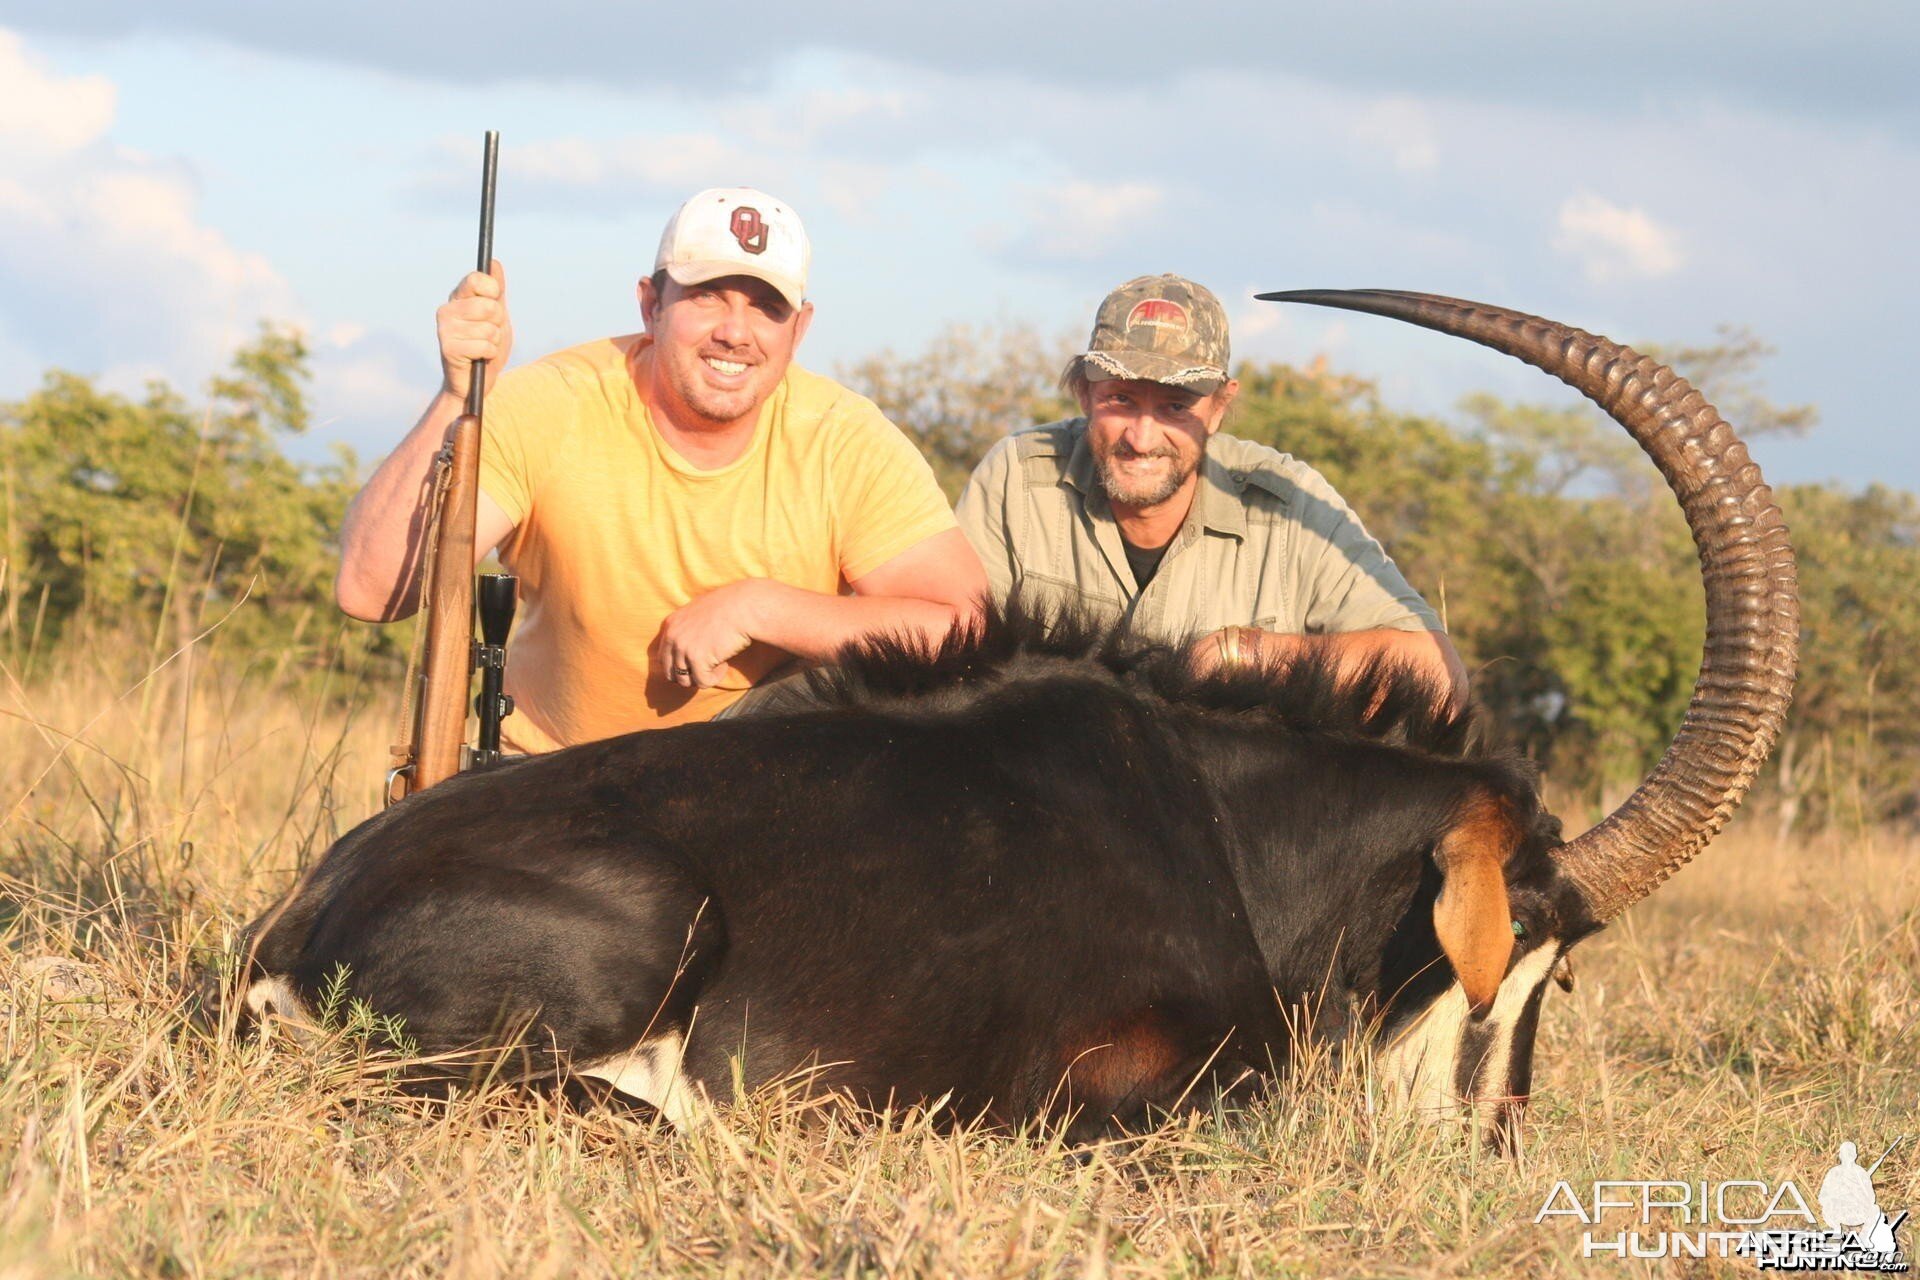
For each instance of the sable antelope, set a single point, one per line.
(1046, 868)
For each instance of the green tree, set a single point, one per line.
(1850, 753)
(123, 511)
(1727, 372)
(966, 391)
(1600, 616)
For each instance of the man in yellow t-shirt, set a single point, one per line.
(688, 511)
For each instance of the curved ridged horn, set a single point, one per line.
(1753, 608)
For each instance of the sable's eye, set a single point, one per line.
(1519, 930)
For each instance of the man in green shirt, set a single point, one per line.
(1141, 509)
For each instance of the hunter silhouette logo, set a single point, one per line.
(749, 229)
(1848, 1203)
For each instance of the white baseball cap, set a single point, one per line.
(737, 231)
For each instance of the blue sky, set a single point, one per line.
(171, 174)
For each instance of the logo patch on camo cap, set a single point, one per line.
(1159, 313)
(1160, 328)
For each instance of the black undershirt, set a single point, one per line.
(1144, 561)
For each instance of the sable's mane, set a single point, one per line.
(1020, 642)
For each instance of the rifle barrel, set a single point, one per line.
(489, 175)
(1884, 1154)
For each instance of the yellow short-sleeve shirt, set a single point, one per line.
(614, 530)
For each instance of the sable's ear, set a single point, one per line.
(1471, 916)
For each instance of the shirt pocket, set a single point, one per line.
(1050, 593)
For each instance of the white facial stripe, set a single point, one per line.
(650, 1071)
(275, 997)
(272, 1000)
(1495, 1073)
(1423, 1060)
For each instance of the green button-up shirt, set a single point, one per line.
(1267, 543)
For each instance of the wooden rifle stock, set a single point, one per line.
(446, 670)
(438, 732)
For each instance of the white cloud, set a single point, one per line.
(671, 161)
(1613, 243)
(43, 112)
(1262, 331)
(1403, 129)
(853, 188)
(367, 390)
(368, 387)
(591, 174)
(805, 118)
(104, 262)
(1256, 319)
(1082, 220)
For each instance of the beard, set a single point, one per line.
(1143, 488)
(687, 374)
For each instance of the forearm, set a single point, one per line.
(815, 626)
(383, 540)
(1430, 653)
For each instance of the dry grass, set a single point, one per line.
(1741, 1023)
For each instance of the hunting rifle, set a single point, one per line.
(437, 746)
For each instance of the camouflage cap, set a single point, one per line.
(1160, 328)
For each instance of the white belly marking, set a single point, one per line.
(650, 1071)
